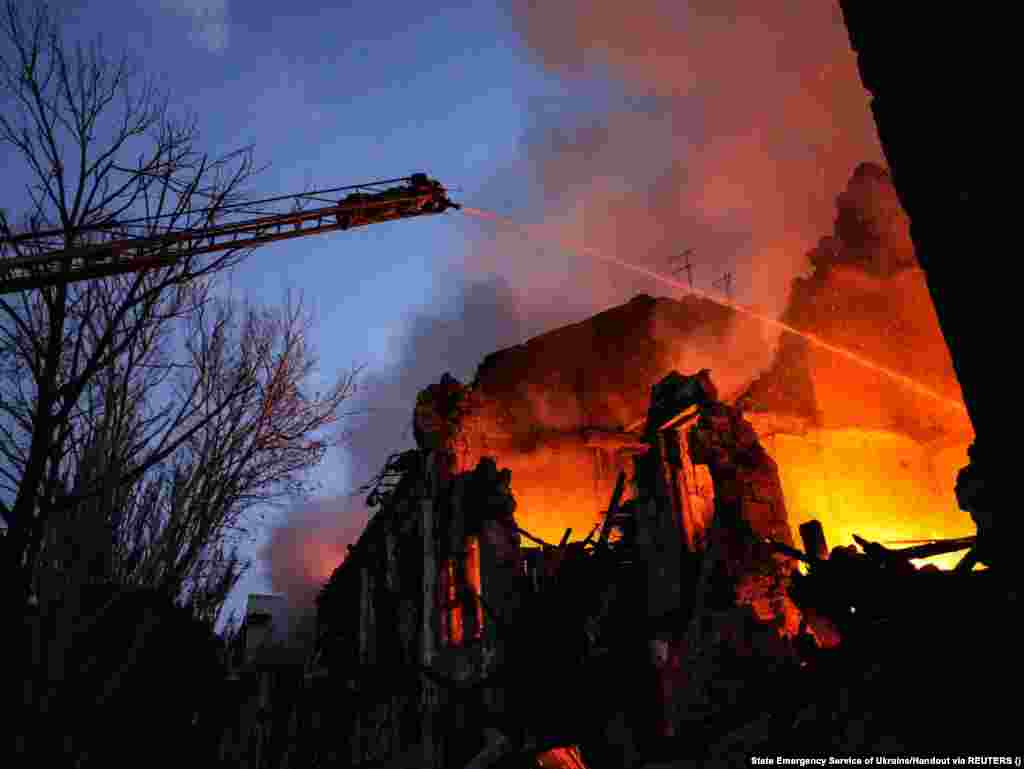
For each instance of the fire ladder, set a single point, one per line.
(130, 246)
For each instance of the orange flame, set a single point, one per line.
(879, 485)
(858, 472)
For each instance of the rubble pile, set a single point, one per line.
(441, 591)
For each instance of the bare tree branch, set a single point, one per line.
(75, 119)
(140, 415)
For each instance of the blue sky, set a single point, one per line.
(333, 94)
(635, 128)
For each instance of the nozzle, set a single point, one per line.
(442, 204)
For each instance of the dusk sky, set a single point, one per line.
(637, 128)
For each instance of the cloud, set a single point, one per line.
(308, 545)
(729, 127)
(312, 539)
(453, 335)
(210, 23)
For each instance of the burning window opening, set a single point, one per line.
(462, 614)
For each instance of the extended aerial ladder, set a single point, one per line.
(119, 248)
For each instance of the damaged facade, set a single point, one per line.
(474, 628)
(669, 630)
(572, 557)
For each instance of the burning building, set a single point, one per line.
(857, 448)
(682, 498)
(868, 443)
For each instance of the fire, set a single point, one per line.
(872, 448)
(879, 484)
(458, 589)
(561, 758)
(547, 511)
(320, 558)
(882, 486)
(882, 462)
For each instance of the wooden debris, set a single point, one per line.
(885, 558)
(532, 538)
(792, 552)
(613, 508)
(939, 547)
(683, 416)
(590, 536)
(627, 442)
(813, 537)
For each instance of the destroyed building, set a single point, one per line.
(461, 631)
(467, 623)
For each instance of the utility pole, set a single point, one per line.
(687, 265)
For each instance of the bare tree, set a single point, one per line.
(141, 416)
(172, 530)
(98, 146)
(176, 530)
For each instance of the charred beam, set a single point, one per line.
(613, 508)
(813, 537)
(939, 547)
(532, 538)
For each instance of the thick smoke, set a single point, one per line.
(721, 126)
(728, 128)
(305, 548)
(481, 317)
(312, 539)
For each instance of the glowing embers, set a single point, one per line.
(462, 617)
(451, 608)
(560, 486)
(473, 584)
(561, 758)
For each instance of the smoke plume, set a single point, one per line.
(304, 550)
(726, 127)
(471, 321)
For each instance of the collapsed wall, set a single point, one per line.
(701, 586)
(406, 600)
(557, 410)
(438, 586)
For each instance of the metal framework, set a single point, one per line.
(126, 246)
